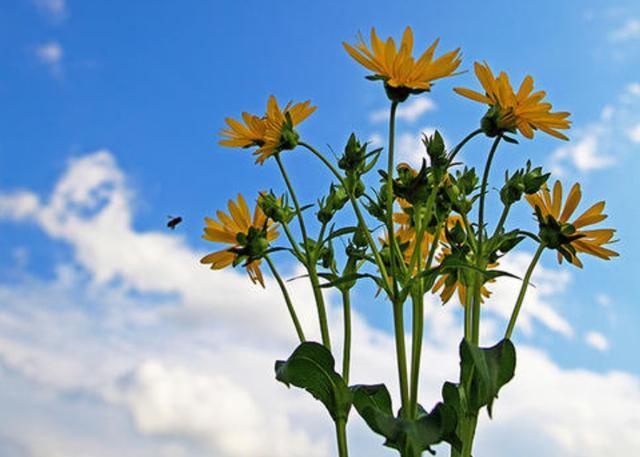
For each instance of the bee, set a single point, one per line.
(173, 222)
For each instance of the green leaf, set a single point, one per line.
(348, 279)
(485, 371)
(311, 367)
(341, 232)
(410, 436)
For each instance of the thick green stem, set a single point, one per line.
(341, 437)
(401, 355)
(311, 266)
(416, 350)
(287, 299)
(356, 209)
(480, 257)
(469, 435)
(346, 348)
(523, 291)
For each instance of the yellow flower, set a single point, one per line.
(523, 110)
(397, 67)
(229, 228)
(276, 126)
(239, 135)
(591, 242)
(270, 133)
(450, 282)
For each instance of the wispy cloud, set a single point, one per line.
(597, 341)
(55, 10)
(629, 30)
(410, 112)
(604, 142)
(51, 55)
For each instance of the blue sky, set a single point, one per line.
(148, 85)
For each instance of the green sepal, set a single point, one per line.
(311, 367)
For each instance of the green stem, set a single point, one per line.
(390, 228)
(341, 436)
(467, 440)
(416, 350)
(287, 299)
(523, 291)
(459, 146)
(346, 349)
(503, 219)
(475, 334)
(468, 315)
(356, 209)
(401, 355)
(311, 266)
(293, 243)
(398, 317)
(418, 329)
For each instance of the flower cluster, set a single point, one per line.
(413, 232)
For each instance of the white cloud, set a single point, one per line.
(410, 111)
(55, 10)
(605, 142)
(585, 154)
(603, 299)
(108, 358)
(51, 54)
(630, 30)
(597, 341)
(18, 205)
(634, 133)
(410, 148)
(376, 140)
(634, 89)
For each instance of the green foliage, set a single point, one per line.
(484, 371)
(410, 436)
(311, 367)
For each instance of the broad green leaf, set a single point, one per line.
(311, 367)
(485, 371)
(410, 436)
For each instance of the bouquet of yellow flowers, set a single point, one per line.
(433, 239)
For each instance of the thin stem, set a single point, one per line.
(475, 334)
(287, 299)
(293, 243)
(346, 348)
(341, 436)
(483, 192)
(398, 317)
(311, 267)
(523, 291)
(418, 329)
(459, 146)
(503, 219)
(468, 314)
(356, 209)
(390, 231)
